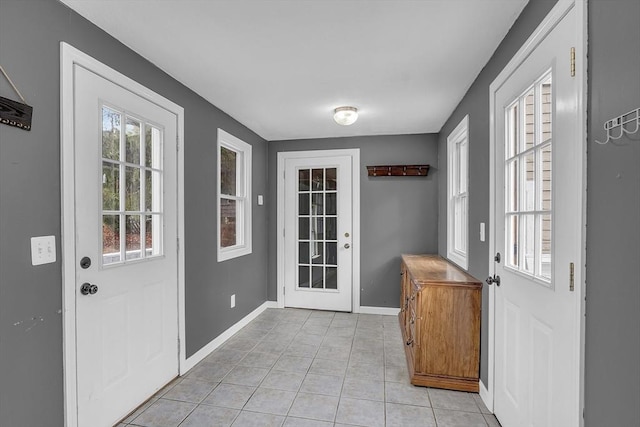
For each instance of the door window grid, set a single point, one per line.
(131, 188)
(528, 178)
(317, 229)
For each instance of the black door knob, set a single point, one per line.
(88, 289)
(491, 280)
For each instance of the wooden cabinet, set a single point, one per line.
(440, 321)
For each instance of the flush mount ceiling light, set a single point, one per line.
(345, 116)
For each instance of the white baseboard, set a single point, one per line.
(198, 356)
(486, 397)
(386, 311)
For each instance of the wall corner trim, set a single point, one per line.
(198, 356)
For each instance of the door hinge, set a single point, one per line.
(283, 232)
(573, 62)
(177, 244)
(284, 290)
(571, 277)
(177, 143)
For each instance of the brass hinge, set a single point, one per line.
(573, 62)
(571, 277)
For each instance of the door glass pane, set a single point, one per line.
(317, 277)
(132, 189)
(318, 253)
(545, 178)
(132, 235)
(110, 186)
(110, 134)
(110, 239)
(303, 204)
(303, 179)
(546, 108)
(303, 252)
(332, 253)
(332, 232)
(228, 171)
(153, 235)
(528, 242)
(228, 215)
(331, 179)
(331, 281)
(303, 276)
(545, 247)
(303, 228)
(513, 238)
(331, 206)
(529, 129)
(512, 186)
(152, 191)
(132, 141)
(513, 134)
(529, 182)
(152, 158)
(317, 179)
(317, 203)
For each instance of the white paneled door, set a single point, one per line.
(126, 248)
(318, 234)
(537, 216)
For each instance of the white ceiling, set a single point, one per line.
(280, 67)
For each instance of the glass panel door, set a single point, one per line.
(317, 194)
(131, 188)
(528, 183)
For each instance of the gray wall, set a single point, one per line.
(398, 214)
(612, 380)
(31, 386)
(476, 104)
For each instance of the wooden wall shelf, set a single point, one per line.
(398, 170)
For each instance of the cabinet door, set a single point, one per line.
(450, 324)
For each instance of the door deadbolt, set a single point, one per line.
(85, 262)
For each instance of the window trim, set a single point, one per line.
(460, 135)
(244, 237)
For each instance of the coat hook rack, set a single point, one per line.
(13, 113)
(398, 170)
(625, 124)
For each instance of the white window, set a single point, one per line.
(234, 197)
(458, 194)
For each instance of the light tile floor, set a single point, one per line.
(302, 368)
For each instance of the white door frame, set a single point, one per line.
(70, 56)
(355, 182)
(546, 26)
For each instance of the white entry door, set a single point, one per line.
(126, 248)
(537, 234)
(318, 233)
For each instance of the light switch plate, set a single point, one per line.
(43, 250)
(482, 236)
(260, 200)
